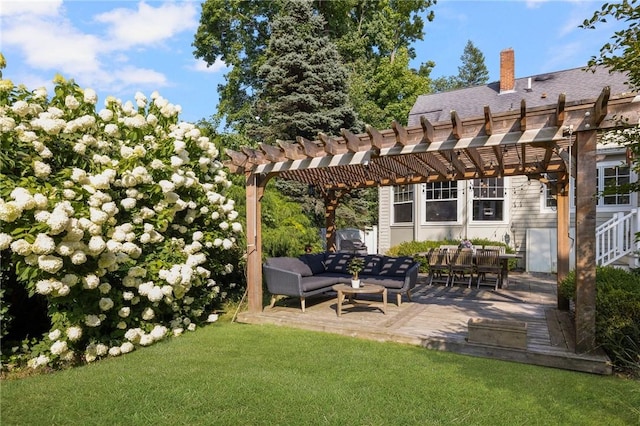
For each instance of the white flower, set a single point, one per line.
(41, 170)
(55, 334)
(105, 303)
(126, 347)
(78, 257)
(92, 320)
(59, 347)
(227, 244)
(128, 295)
(133, 335)
(96, 245)
(111, 129)
(101, 349)
(104, 288)
(237, 227)
(192, 326)
(90, 282)
(70, 280)
(155, 294)
(43, 244)
(74, 333)
(5, 241)
(90, 96)
(158, 332)
(212, 318)
(124, 312)
(148, 314)
(224, 226)
(105, 114)
(10, 211)
(146, 340)
(71, 102)
(128, 203)
(39, 361)
(50, 264)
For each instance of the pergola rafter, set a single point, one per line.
(558, 139)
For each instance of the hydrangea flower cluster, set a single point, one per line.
(119, 211)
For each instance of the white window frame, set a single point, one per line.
(505, 203)
(409, 194)
(544, 194)
(601, 207)
(459, 198)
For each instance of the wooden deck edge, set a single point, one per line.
(595, 364)
(573, 362)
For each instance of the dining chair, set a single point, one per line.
(501, 249)
(437, 260)
(488, 268)
(461, 267)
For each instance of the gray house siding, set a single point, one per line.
(525, 212)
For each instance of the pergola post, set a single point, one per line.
(254, 193)
(586, 201)
(330, 206)
(564, 246)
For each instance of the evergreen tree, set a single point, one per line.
(238, 33)
(304, 84)
(473, 71)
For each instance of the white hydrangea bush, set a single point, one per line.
(117, 215)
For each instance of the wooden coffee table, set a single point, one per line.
(346, 290)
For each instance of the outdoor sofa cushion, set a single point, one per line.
(292, 264)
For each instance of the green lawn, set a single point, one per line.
(234, 374)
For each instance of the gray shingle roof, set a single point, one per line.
(577, 84)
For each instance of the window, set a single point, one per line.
(441, 200)
(549, 200)
(488, 199)
(403, 203)
(613, 177)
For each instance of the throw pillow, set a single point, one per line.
(396, 266)
(338, 262)
(314, 261)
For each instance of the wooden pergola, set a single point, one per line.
(557, 140)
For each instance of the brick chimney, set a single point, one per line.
(507, 70)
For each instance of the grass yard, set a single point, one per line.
(234, 374)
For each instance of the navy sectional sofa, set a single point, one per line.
(312, 274)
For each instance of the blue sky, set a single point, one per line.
(121, 47)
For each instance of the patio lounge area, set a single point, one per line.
(437, 317)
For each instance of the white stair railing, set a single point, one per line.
(616, 238)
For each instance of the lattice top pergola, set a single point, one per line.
(528, 142)
(557, 139)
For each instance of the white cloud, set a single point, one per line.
(52, 44)
(140, 76)
(29, 7)
(201, 66)
(148, 25)
(534, 4)
(41, 36)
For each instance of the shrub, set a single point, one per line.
(118, 218)
(412, 248)
(617, 314)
